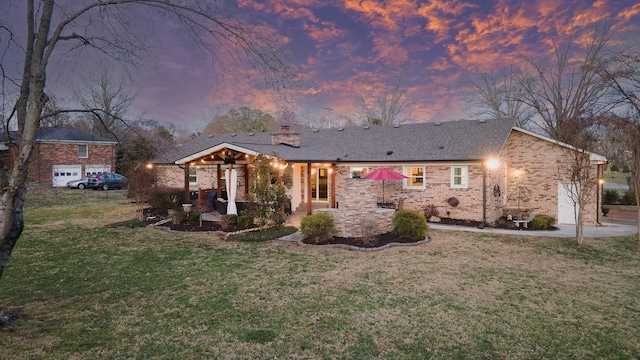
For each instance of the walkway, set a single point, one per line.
(621, 221)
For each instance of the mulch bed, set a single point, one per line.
(156, 215)
(370, 243)
(502, 223)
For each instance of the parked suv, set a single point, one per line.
(107, 181)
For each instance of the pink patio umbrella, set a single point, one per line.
(384, 174)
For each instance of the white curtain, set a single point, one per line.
(232, 181)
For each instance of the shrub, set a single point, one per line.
(228, 221)
(429, 211)
(542, 222)
(626, 169)
(410, 224)
(166, 198)
(245, 221)
(192, 216)
(614, 167)
(629, 198)
(610, 196)
(317, 228)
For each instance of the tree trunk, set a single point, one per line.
(11, 226)
(580, 227)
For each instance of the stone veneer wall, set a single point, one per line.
(358, 214)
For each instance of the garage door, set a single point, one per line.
(566, 208)
(96, 169)
(63, 173)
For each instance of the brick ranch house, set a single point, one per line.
(63, 154)
(444, 162)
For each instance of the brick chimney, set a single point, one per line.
(285, 136)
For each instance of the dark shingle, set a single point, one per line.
(452, 140)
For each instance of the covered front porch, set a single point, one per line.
(313, 184)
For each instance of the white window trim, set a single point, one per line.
(406, 173)
(195, 169)
(352, 168)
(86, 151)
(464, 175)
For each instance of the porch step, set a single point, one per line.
(303, 206)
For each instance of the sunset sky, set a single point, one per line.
(345, 48)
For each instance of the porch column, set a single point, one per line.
(187, 195)
(308, 189)
(218, 180)
(246, 179)
(333, 186)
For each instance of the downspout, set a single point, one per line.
(484, 198)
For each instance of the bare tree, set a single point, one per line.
(108, 100)
(582, 185)
(623, 76)
(497, 96)
(568, 97)
(569, 94)
(76, 25)
(388, 104)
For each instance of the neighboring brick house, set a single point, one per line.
(443, 162)
(63, 154)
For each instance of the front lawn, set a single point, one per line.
(89, 291)
(618, 178)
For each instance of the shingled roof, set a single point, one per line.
(461, 140)
(59, 134)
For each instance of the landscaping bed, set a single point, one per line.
(157, 216)
(502, 223)
(364, 243)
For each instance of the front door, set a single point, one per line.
(566, 206)
(319, 184)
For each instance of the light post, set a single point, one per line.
(517, 172)
(600, 200)
(488, 164)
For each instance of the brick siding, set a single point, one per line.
(542, 166)
(46, 155)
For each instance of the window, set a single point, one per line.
(459, 176)
(416, 178)
(358, 172)
(193, 176)
(83, 151)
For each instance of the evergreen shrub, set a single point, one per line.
(410, 224)
(542, 222)
(317, 228)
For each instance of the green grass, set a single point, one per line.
(618, 178)
(89, 291)
(264, 235)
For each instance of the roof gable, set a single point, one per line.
(592, 156)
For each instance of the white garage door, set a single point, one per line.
(566, 213)
(96, 169)
(63, 173)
